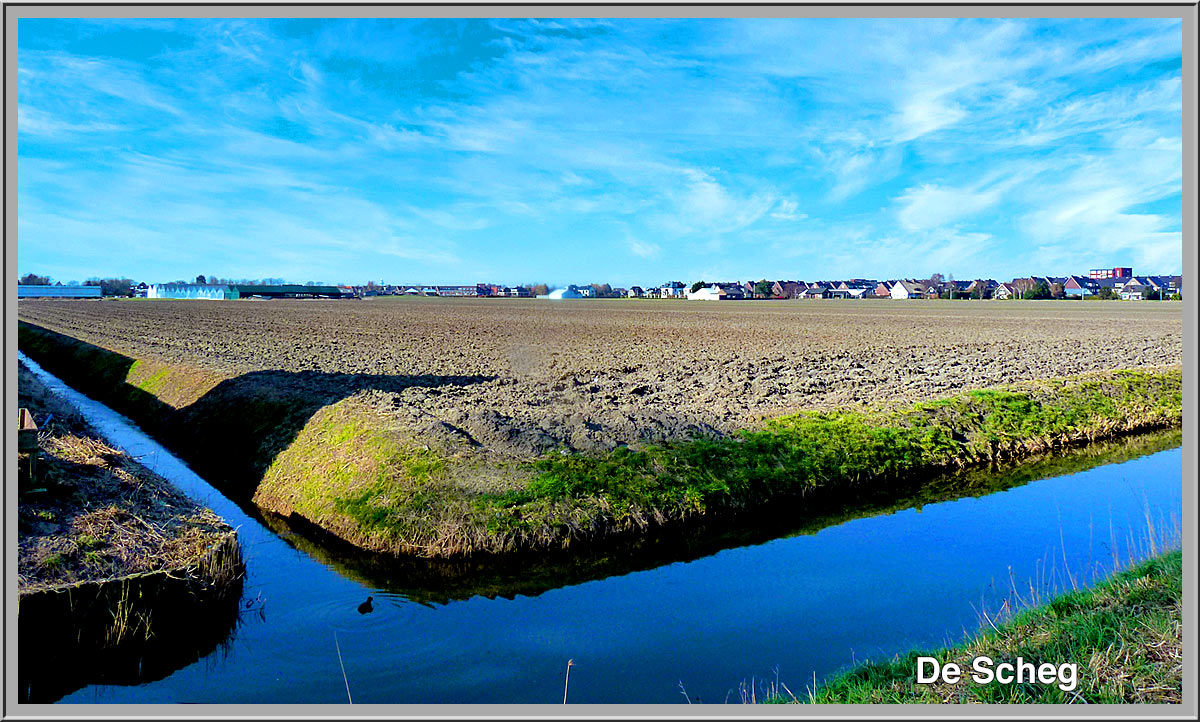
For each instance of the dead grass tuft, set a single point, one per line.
(99, 514)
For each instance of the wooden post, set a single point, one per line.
(27, 440)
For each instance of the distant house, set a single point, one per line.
(635, 292)
(1080, 286)
(907, 289)
(1166, 285)
(883, 289)
(815, 290)
(514, 292)
(786, 289)
(734, 291)
(1004, 291)
(1134, 289)
(585, 291)
(707, 293)
(980, 288)
(673, 289)
(958, 289)
(1138, 287)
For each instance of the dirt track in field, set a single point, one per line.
(592, 374)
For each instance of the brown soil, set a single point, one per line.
(522, 377)
(94, 513)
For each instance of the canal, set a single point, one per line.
(794, 599)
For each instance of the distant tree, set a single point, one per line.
(1106, 293)
(1151, 295)
(762, 288)
(539, 289)
(603, 290)
(201, 280)
(698, 285)
(31, 279)
(112, 286)
(936, 279)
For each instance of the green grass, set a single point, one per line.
(843, 450)
(1124, 635)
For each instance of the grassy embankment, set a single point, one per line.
(339, 463)
(1125, 635)
(348, 475)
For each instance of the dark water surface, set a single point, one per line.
(812, 599)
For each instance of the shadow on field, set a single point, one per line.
(232, 433)
(437, 581)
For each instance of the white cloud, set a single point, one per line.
(931, 206)
(643, 249)
(786, 211)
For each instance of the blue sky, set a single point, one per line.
(619, 151)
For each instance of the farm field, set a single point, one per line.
(446, 427)
(533, 376)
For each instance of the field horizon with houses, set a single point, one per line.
(1098, 284)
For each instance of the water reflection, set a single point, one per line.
(440, 582)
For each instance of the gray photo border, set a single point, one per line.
(14, 12)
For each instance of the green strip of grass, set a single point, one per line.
(1125, 636)
(842, 450)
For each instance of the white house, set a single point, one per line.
(908, 289)
(708, 293)
(674, 289)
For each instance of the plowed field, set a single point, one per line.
(592, 374)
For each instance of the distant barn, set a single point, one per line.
(58, 291)
(288, 291)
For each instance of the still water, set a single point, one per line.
(793, 603)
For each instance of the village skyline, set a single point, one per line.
(1104, 283)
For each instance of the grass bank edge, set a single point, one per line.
(348, 475)
(1124, 635)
